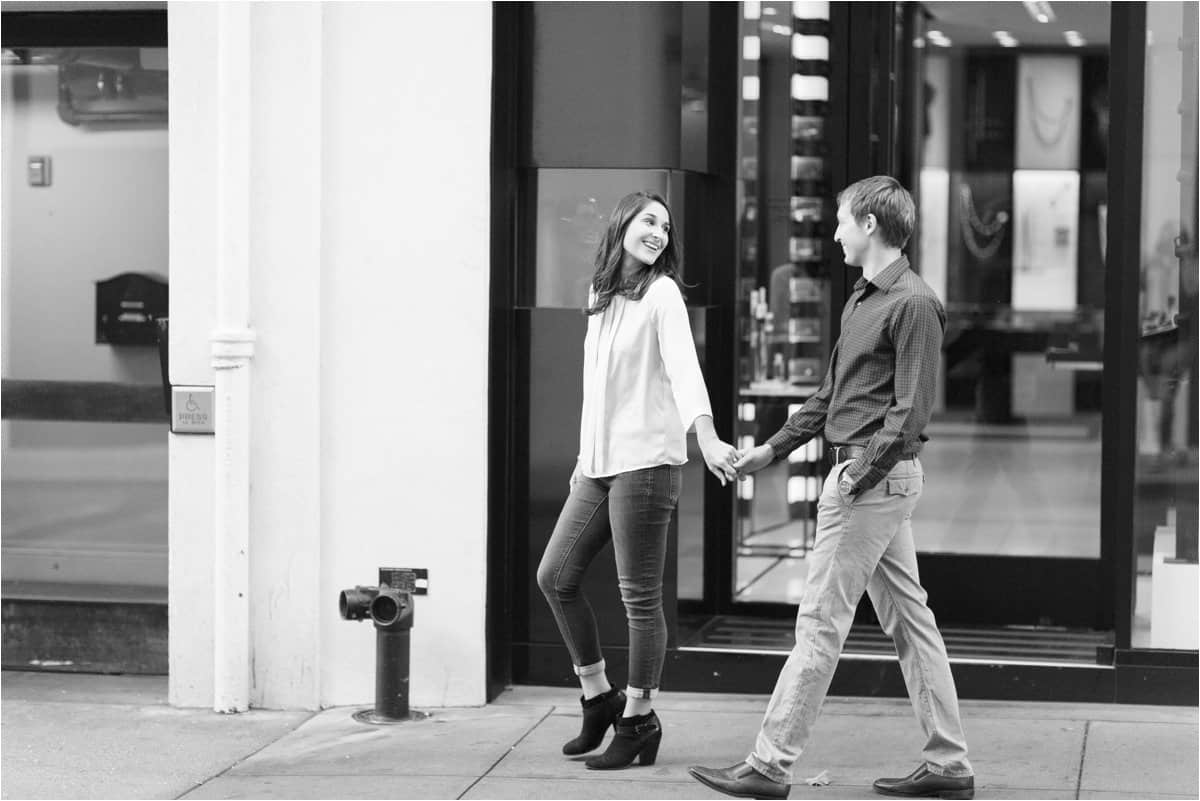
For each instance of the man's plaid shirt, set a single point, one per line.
(878, 391)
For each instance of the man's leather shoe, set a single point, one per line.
(923, 784)
(740, 781)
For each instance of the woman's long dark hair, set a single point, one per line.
(607, 281)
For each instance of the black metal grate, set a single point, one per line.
(1002, 644)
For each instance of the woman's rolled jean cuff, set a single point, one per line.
(636, 693)
(590, 670)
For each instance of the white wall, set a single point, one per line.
(404, 333)
(287, 195)
(370, 212)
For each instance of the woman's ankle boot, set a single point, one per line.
(599, 713)
(637, 738)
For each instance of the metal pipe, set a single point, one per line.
(391, 673)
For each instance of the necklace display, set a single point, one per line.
(1038, 222)
(971, 225)
(1041, 120)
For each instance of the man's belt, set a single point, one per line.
(844, 453)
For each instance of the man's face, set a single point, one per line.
(852, 236)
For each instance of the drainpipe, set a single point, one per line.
(232, 352)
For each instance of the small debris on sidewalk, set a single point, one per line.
(820, 780)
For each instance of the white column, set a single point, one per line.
(232, 351)
(285, 293)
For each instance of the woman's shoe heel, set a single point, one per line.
(650, 750)
(636, 738)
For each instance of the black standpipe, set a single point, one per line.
(390, 608)
(393, 615)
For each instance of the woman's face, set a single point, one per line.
(648, 233)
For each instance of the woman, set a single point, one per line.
(642, 392)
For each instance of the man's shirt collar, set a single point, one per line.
(885, 279)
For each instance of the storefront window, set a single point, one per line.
(1008, 164)
(1165, 478)
(85, 202)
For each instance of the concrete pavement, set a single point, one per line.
(84, 736)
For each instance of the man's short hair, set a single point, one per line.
(892, 205)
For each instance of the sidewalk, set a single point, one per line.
(82, 736)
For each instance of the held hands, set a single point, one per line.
(753, 460)
(720, 457)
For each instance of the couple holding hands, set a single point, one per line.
(643, 391)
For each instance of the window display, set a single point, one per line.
(1046, 206)
(784, 310)
(1048, 112)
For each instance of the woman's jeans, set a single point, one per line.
(864, 544)
(633, 510)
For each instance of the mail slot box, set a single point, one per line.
(127, 306)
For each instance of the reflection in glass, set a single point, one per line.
(572, 212)
(1165, 612)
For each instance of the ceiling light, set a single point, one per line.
(1040, 10)
(768, 11)
(1074, 39)
(1004, 39)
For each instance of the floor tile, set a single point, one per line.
(453, 742)
(1139, 758)
(78, 750)
(610, 785)
(399, 787)
(701, 737)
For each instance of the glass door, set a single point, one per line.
(998, 124)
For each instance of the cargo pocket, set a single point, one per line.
(904, 486)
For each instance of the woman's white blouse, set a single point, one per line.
(642, 385)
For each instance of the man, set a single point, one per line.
(872, 409)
